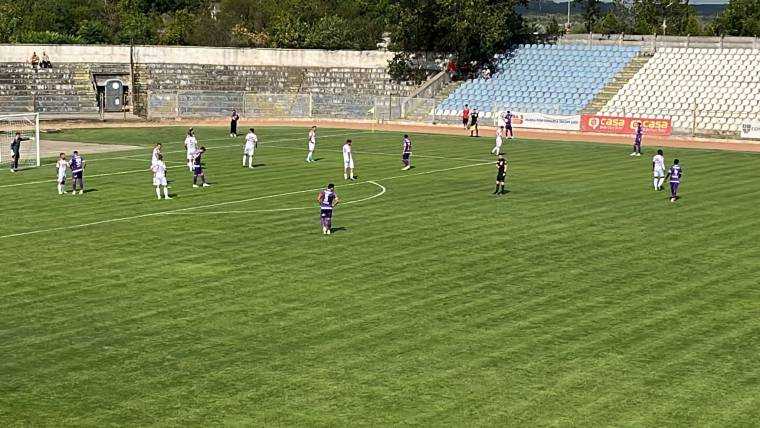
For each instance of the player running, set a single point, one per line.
(327, 199)
(501, 175)
(77, 173)
(674, 174)
(499, 140)
(191, 144)
(406, 153)
(348, 162)
(251, 142)
(61, 165)
(474, 123)
(658, 170)
(159, 177)
(312, 144)
(198, 168)
(156, 151)
(508, 125)
(637, 140)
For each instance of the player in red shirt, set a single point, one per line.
(466, 116)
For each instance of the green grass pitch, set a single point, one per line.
(583, 297)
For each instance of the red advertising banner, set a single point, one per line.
(624, 125)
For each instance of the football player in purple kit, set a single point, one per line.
(77, 172)
(674, 176)
(637, 140)
(327, 200)
(501, 175)
(198, 168)
(406, 154)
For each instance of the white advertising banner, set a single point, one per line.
(751, 130)
(543, 121)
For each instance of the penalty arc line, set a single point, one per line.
(159, 213)
(376, 195)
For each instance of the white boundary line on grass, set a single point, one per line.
(135, 217)
(273, 210)
(146, 159)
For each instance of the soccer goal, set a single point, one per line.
(28, 124)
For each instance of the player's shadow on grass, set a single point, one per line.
(258, 165)
(338, 229)
(90, 190)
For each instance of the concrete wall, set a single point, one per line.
(199, 55)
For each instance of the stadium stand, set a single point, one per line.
(552, 79)
(707, 90)
(64, 89)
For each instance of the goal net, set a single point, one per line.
(28, 125)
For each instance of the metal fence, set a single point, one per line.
(198, 104)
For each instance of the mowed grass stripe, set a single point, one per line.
(438, 302)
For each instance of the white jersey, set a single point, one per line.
(312, 140)
(159, 173)
(659, 165)
(347, 155)
(191, 144)
(250, 142)
(154, 157)
(61, 165)
(498, 137)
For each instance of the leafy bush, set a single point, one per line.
(402, 69)
(46, 38)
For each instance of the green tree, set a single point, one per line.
(739, 18)
(11, 18)
(472, 30)
(678, 16)
(94, 31)
(591, 13)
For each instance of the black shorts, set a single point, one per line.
(325, 213)
(406, 156)
(465, 121)
(76, 175)
(197, 170)
(501, 177)
(508, 127)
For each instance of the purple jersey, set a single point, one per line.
(328, 198)
(675, 173)
(508, 119)
(77, 163)
(407, 145)
(639, 133)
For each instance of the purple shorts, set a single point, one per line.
(325, 213)
(674, 188)
(197, 170)
(76, 175)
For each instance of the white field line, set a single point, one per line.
(376, 195)
(134, 217)
(147, 160)
(379, 154)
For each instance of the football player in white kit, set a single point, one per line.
(658, 170)
(156, 152)
(348, 162)
(159, 177)
(191, 145)
(61, 166)
(251, 142)
(312, 144)
(499, 140)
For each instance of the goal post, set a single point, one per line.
(28, 124)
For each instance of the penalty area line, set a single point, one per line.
(198, 207)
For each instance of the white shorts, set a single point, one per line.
(159, 181)
(348, 163)
(190, 156)
(62, 178)
(312, 146)
(248, 152)
(499, 141)
(659, 173)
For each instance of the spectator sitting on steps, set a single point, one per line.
(45, 61)
(35, 61)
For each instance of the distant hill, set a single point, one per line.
(536, 7)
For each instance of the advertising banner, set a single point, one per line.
(544, 121)
(751, 130)
(624, 125)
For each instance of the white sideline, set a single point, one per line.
(119, 219)
(376, 195)
(146, 159)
